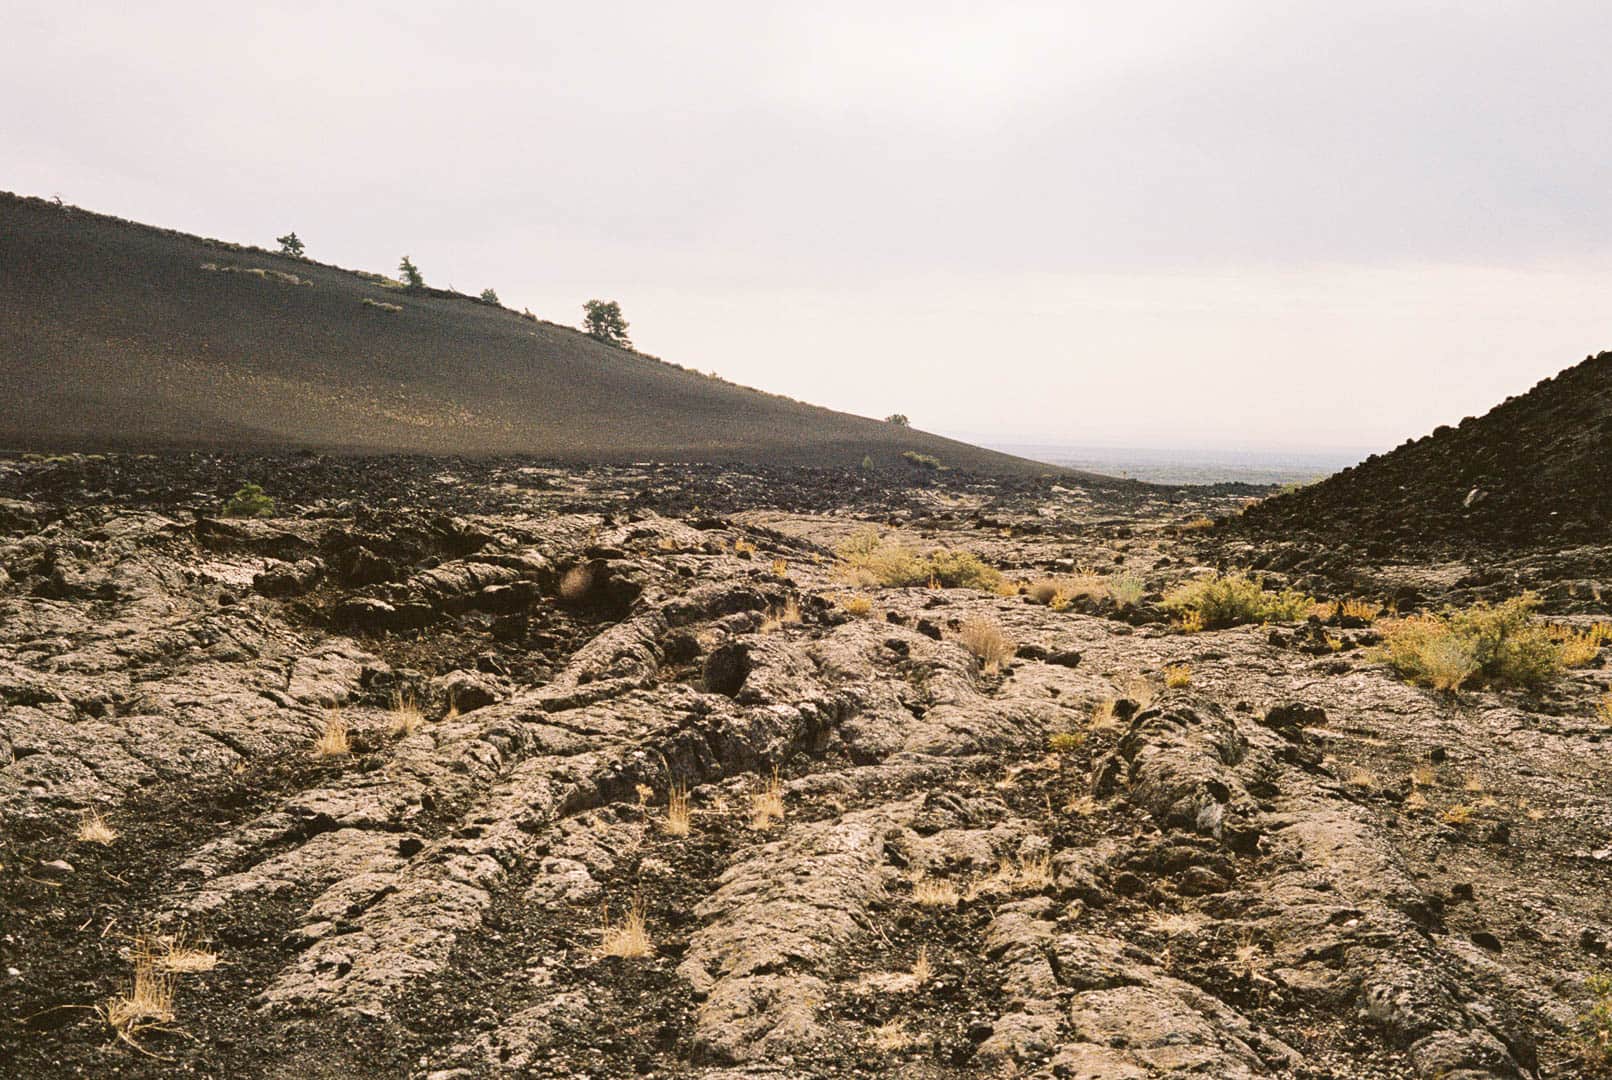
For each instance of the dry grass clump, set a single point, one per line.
(934, 892)
(1459, 814)
(983, 637)
(1175, 923)
(1102, 716)
(922, 971)
(93, 829)
(767, 806)
(860, 606)
(779, 617)
(1198, 524)
(1125, 590)
(575, 583)
(1221, 600)
(1026, 874)
(868, 560)
(407, 716)
(333, 741)
(382, 305)
(679, 814)
(1605, 708)
(780, 568)
(149, 1001)
(182, 956)
(1488, 644)
(1177, 677)
(628, 939)
(890, 1037)
(743, 548)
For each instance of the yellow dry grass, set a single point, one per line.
(333, 741)
(934, 892)
(679, 815)
(983, 637)
(767, 806)
(93, 829)
(628, 939)
(779, 617)
(1177, 677)
(149, 1000)
(406, 714)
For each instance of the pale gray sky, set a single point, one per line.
(1202, 222)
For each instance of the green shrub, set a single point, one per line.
(923, 461)
(249, 502)
(489, 296)
(1595, 1025)
(411, 273)
(1492, 644)
(1232, 599)
(290, 245)
(870, 560)
(602, 321)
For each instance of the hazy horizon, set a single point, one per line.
(1200, 226)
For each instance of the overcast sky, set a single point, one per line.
(1264, 224)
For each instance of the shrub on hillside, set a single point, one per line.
(411, 273)
(1221, 600)
(488, 296)
(1490, 644)
(290, 245)
(602, 320)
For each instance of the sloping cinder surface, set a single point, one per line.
(114, 334)
(1535, 467)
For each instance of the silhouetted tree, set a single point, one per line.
(411, 273)
(488, 296)
(289, 245)
(603, 322)
(898, 419)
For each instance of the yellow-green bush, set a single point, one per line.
(869, 560)
(1232, 599)
(1489, 644)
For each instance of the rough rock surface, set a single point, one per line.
(1295, 866)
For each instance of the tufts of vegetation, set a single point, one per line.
(1177, 677)
(333, 740)
(1124, 590)
(869, 560)
(767, 806)
(629, 939)
(488, 296)
(934, 892)
(411, 273)
(1581, 648)
(382, 305)
(407, 716)
(1595, 1025)
(602, 321)
(93, 829)
(983, 638)
(1604, 710)
(679, 814)
(923, 461)
(1066, 742)
(1497, 645)
(1221, 600)
(867, 462)
(290, 245)
(898, 419)
(149, 1001)
(249, 501)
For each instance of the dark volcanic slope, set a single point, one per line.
(1537, 467)
(114, 334)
